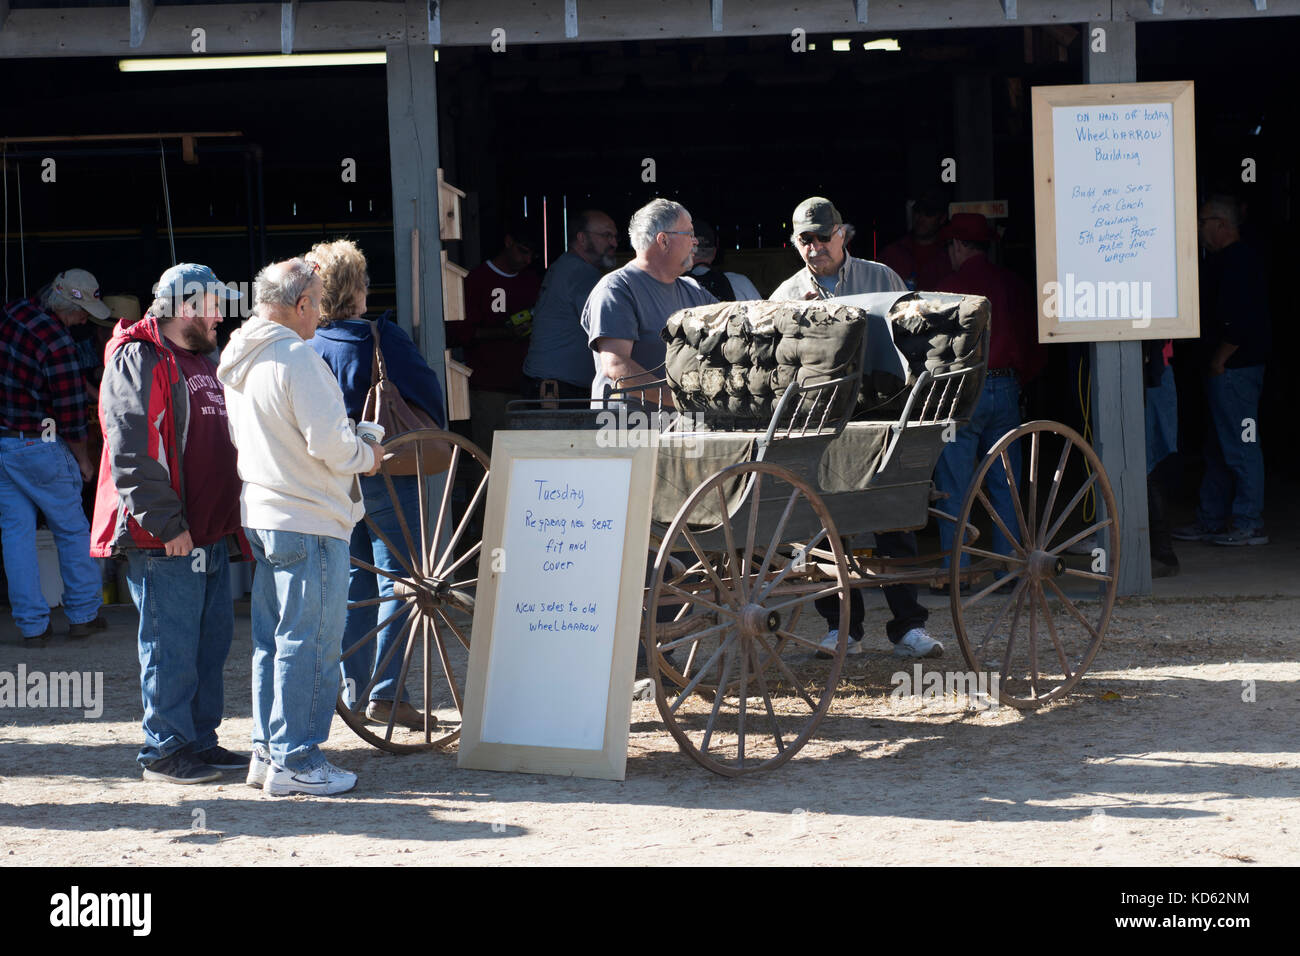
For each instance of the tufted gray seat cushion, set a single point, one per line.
(737, 358)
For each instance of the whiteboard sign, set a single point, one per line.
(1115, 222)
(1115, 209)
(557, 612)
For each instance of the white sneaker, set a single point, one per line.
(832, 639)
(325, 780)
(917, 643)
(259, 767)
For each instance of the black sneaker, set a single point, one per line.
(45, 635)
(181, 767)
(87, 628)
(222, 759)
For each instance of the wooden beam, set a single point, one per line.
(141, 15)
(433, 16)
(100, 137)
(570, 19)
(358, 25)
(413, 146)
(1142, 10)
(1118, 392)
(288, 23)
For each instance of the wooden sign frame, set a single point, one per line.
(608, 763)
(1185, 323)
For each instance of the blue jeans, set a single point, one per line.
(186, 624)
(40, 474)
(362, 585)
(299, 605)
(1161, 420)
(995, 414)
(1233, 486)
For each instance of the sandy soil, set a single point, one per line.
(1156, 759)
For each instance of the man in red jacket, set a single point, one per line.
(168, 500)
(1014, 357)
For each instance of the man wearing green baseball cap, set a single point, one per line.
(818, 232)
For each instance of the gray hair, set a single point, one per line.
(51, 300)
(656, 216)
(282, 283)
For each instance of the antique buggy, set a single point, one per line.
(753, 522)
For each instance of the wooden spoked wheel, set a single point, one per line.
(430, 596)
(726, 661)
(1037, 624)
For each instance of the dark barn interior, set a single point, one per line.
(739, 130)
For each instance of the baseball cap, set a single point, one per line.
(967, 226)
(189, 278)
(82, 288)
(815, 214)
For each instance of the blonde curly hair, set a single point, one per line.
(343, 273)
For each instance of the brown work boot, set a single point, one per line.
(87, 628)
(378, 711)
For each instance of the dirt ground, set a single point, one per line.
(1159, 758)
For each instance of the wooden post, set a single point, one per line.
(1118, 395)
(413, 145)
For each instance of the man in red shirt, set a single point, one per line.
(1014, 357)
(168, 501)
(498, 296)
(921, 257)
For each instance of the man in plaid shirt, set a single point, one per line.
(43, 457)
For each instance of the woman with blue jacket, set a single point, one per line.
(346, 343)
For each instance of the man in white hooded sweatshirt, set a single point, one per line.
(299, 455)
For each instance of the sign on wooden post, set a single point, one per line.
(558, 609)
(1115, 211)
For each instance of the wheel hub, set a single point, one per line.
(756, 620)
(1043, 565)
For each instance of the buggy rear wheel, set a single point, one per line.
(1038, 624)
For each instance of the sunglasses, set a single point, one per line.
(808, 238)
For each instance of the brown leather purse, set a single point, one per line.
(385, 406)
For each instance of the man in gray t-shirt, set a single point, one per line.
(558, 349)
(627, 310)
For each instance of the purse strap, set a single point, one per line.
(378, 368)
